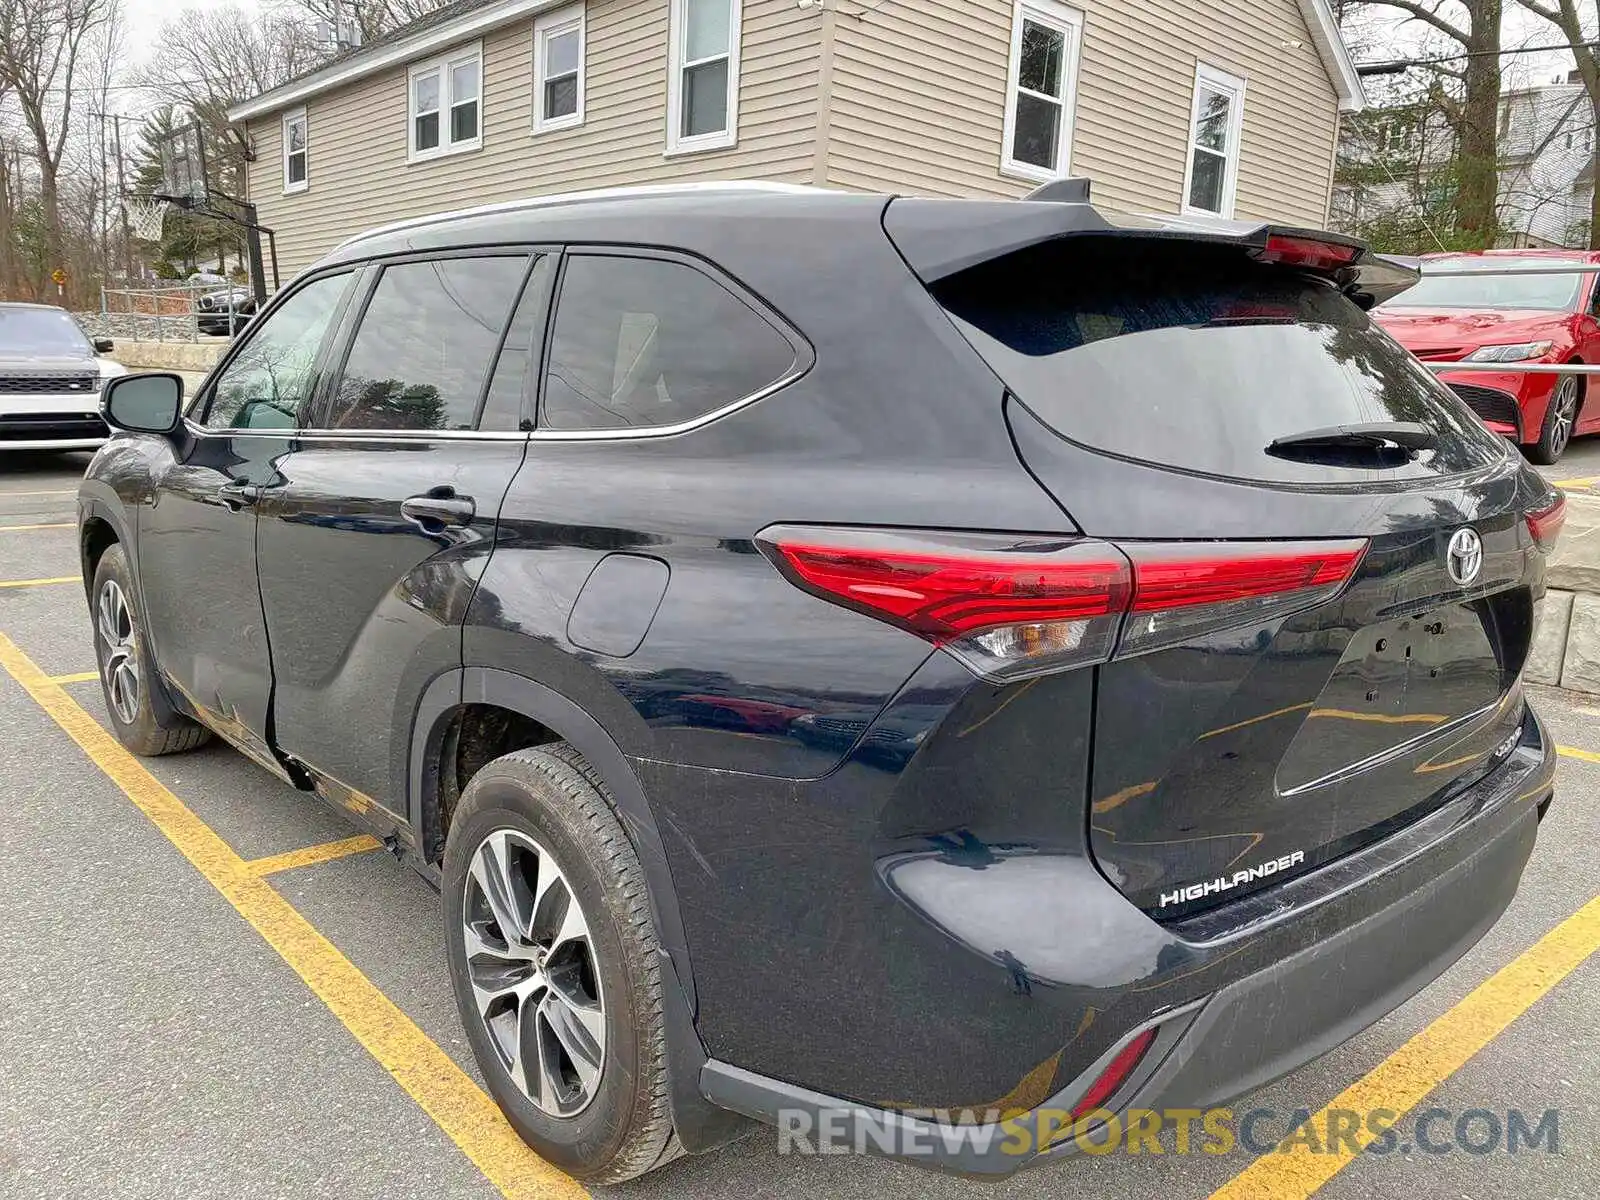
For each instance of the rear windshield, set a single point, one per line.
(1195, 356)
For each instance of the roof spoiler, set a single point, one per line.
(941, 238)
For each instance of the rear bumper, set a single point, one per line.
(1375, 927)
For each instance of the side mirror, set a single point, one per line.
(104, 345)
(150, 403)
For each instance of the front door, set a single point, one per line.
(196, 540)
(372, 541)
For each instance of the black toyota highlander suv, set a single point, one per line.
(928, 659)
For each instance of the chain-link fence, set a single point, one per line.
(178, 312)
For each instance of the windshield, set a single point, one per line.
(1440, 287)
(1195, 357)
(41, 332)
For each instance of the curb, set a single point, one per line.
(169, 356)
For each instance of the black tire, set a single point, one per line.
(553, 798)
(128, 664)
(1560, 419)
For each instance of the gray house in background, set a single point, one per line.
(1227, 107)
(1546, 175)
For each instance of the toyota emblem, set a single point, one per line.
(1464, 558)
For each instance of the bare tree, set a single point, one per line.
(42, 44)
(1579, 21)
(207, 60)
(1474, 26)
(372, 17)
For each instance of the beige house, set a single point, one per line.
(1228, 107)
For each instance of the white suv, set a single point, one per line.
(50, 379)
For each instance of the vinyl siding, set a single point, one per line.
(919, 101)
(359, 176)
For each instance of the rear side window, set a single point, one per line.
(420, 358)
(1197, 357)
(642, 343)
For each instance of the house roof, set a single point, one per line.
(436, 30)
(1324, 27)
(462, 19)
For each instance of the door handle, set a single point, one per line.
(438, 507)
(237, 496)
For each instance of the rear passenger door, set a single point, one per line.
(371, 545)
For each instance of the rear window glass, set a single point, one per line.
(643, 342)
(1195, 356)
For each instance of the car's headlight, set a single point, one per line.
(1516, 353)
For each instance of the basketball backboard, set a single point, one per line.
(183, 166)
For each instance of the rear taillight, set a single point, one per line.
(1545, 523)
(1012, 607)
(1314, 254)
(1183, 589)
(1004, 606)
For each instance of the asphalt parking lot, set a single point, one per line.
(212, 991)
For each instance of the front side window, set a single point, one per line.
(271, 380)
(643, 343)
(558, 69)
(1043, 82)
(703, 88)
(421, 355)
(295, 175)
(446, 98)
(1214, 134)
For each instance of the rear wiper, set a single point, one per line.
(1410, 436)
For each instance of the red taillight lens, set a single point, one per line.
(1009, 606)
(1184, 590)
(1178, 575)
(1006, 606)
(1311, 253)
(1115, 1074)
(1545, 523)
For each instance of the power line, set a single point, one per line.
(1400, 65)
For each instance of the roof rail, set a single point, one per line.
(1063, 191)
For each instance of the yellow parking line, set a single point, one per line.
(77, 677)
(1401, 1081)
(24, 528)
(1574, 752)
(444, 1091)
(308, 856)
(11, 583)
(1576, 483)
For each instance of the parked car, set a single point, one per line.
(1192, 616)
(1521, 319)
(50, 379)
(224, 313)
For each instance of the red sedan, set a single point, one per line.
(1521, 319)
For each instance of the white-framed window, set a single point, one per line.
(1041, 90)
(296, 160)
(703, 75)
(1216, 125)
(558, 69)
(445, 105)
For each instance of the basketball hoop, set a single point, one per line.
(147, 215)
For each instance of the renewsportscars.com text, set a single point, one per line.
(1215, 1131)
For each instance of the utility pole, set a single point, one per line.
(122, 191)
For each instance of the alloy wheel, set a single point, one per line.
(120, 637)
(1566, 406)
(535, 980)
